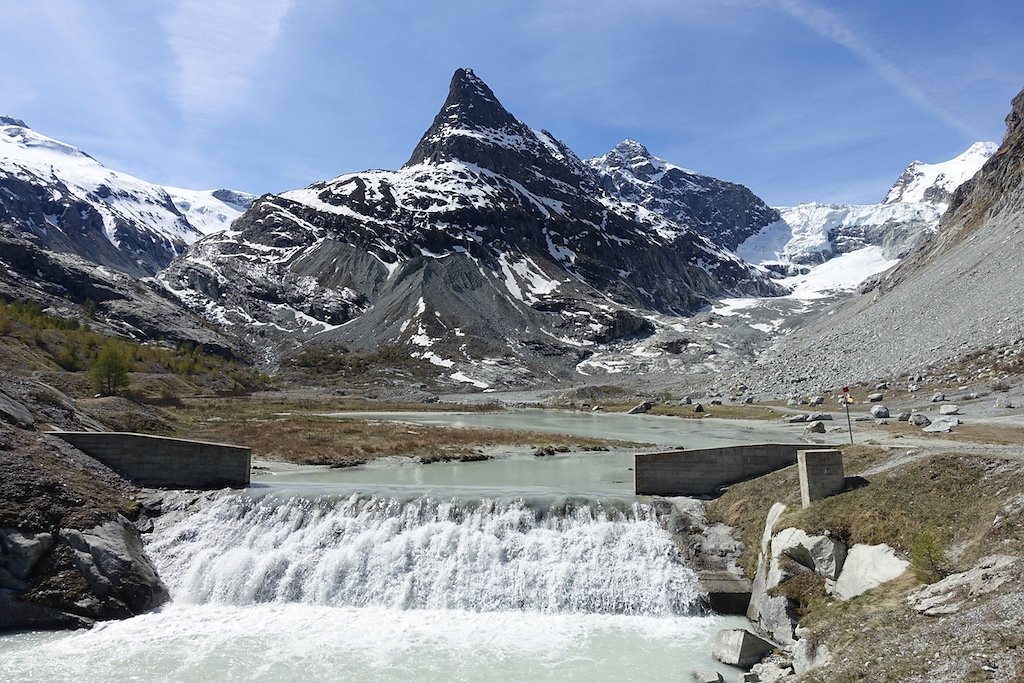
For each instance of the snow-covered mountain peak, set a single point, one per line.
(633, 158)
(934, 183)
(72, 203)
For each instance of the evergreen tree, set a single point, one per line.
(110, 371)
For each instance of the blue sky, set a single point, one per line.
(801, 100)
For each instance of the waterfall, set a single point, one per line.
(372, 551)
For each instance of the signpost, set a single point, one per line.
(847, 400)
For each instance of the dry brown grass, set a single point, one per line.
(343, 442)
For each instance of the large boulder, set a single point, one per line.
(920, 420)
(816, 427)
(640, 408)
(111, 559)
(740, 647)
(824, 555)
(949, 409)
(879, 411)
(943, 424)
(866, 567)
(15, 413)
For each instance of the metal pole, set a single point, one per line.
(849, 424)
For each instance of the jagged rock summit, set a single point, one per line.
(724, 212)
(494, 251)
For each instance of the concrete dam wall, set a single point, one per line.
(162, 462)
(703, 471)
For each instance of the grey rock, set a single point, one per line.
(943, 424)
(707, 677)
(640, 409)
(822, 554)
(938, 398)
(794, 419)
(716, 401)
(920, 420)
(774, 669)
(949, 595)
(903, 417)
(866, 567)
(771, 615)
(698, 408)
(685, 401)
(879, 411)
(820, 416)
(111, 558)
(15, 413)
(748, 400)
(949, 409)
(19, 551)
(816, 401)
(1003, 403)
(740, 647)
(881, 386)
(808, 656)
(817, 427)
(876, 397)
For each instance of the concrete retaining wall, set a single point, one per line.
(162, 462)
(702, 472)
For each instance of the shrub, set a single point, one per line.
(928, 558)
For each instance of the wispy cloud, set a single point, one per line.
(218, 49)
(830, 26)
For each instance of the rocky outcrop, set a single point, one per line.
(949, 595)
(70, 550)
(792, 553)
(123, 304)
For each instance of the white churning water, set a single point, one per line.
(487, 555)
(365, 588)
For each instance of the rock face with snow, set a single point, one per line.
(74, 233)
(493, 247)
(73, 204)
(938, 301)
(813, 233)
(935, 183)
(726, 213)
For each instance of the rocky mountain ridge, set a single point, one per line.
(726, 213)
(493, 247)
(75, 205)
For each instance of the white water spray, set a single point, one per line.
(483, 556)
